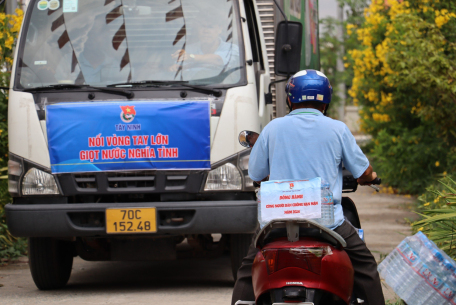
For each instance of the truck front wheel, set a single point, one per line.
(50, 262)
(240, 244)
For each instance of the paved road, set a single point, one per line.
(187, 281)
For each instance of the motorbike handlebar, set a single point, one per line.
(349, 183)
(376, 181)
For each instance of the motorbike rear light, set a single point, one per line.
(304, 258)
(271, 260)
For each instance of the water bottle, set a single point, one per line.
(327, 205)
(441, 296)
(389, 266)
(406, 277)
(441, 281)
(451, 280)
(421, 289)
(399, 270)
(258, 195)
(433, 279)
(448, 293)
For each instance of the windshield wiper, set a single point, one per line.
(125, 93)
(158, 83)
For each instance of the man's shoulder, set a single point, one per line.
(332, 124)
(327, 122)
(275, 123)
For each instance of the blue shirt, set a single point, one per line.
(307, 144)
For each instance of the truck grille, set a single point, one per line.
(85, 181)
(132, 182)
(126, 180)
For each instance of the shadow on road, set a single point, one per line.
(180, 274)
(186, 281)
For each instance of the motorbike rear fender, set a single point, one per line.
(336, 275)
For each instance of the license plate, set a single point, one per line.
(131, 221)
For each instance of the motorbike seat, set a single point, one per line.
(278, 228)
(303, 232)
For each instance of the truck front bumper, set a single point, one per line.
(173, 218)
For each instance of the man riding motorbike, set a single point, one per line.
(307, 144)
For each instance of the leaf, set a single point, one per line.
(7, 241)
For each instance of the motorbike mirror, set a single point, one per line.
(248, 138)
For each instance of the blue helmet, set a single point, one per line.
(309, 86)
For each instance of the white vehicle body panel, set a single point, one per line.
(26, 138)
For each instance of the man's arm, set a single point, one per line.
(368, 176)
(259, 160)
(355, 160)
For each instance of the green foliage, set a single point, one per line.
(439, 215)
(404, 80)
(10, 247)
(408, 159)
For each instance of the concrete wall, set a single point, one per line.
(352, 118)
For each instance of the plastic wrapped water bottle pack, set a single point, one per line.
(420, 273)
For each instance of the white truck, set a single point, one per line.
(86, 181)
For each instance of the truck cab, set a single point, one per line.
(123, 119)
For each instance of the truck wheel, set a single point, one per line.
(50, 262)
(240, 244)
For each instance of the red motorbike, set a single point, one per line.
(301, 261)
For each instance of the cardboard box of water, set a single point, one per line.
(419, 272)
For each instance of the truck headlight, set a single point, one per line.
(231, 174)
(225, 177)
(37, 182)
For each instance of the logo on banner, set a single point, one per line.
(128, 113)
(291, 186)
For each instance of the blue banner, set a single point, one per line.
(112, 136)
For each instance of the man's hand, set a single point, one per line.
(265, 179)
(367, 177)
(182, 55)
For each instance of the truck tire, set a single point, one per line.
(50, 262)
(240, 244)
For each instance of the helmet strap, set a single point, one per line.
(289, 103)
(326, 110)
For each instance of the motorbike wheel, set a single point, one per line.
(50, 262)
(240, 244)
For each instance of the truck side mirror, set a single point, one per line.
(288, 48)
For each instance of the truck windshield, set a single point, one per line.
(106, 42)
